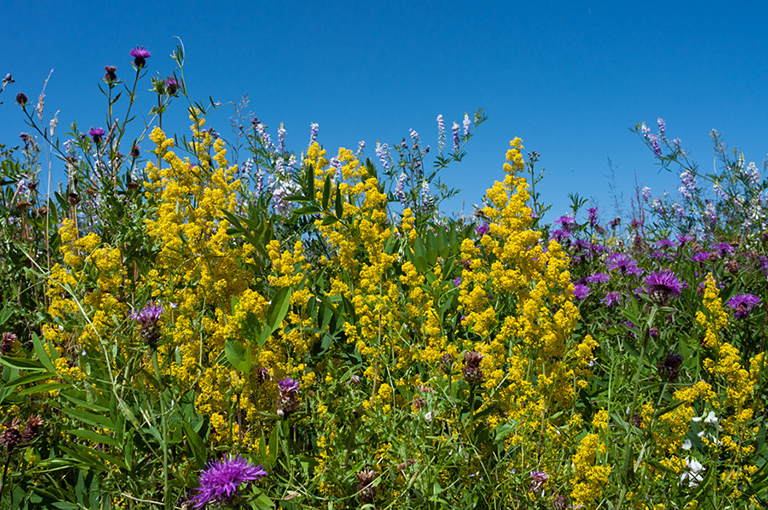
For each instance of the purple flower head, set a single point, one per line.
(598, 278)
(580, 291)
(612, 298)
(457, 281)
(615, 222)
(287, 386)
(220, 482)
(700, 256)
(537, 481)
(684, 238)
(481, 230)
(140, 55)
(724, 249)
(623, 263)
(96, 134)
(592, 216)
(663, 284)
(110, 76)
(558, 235)
(148, 318)
(172, 85)
(742, 304)
(665, 243)
(567, 222)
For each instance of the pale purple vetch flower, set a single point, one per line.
(415, 138)
(688, 188)
(426, 197)
(676, 142)
(655, 146)
(382, 151)
(281, 138)
(457, 281)
(335, 163)
(662, 126)
(646, 193)
(400, 189)
(440, 133)
(360, 148)
(313, 127)
(455, 129)
(742, 304)
(221, 481)
(645, 131)
(466, 124)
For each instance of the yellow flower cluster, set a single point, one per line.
(591, 472)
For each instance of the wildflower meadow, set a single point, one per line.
(193, 322)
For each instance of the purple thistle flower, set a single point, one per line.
(96, 134)
(172, 85)
(663, 284)
(742, 304)
(567, 222)
(612, 298)
(615, 222)
(481, 230)
(724, 249)
(287, 402)
(598, 278)
(580, 291)
(700, 256)
(664, 243)
(220, 482)
(140, 55)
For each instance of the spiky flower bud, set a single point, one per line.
(472, 372)
(366, 493)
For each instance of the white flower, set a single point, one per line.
(428, 417)
(687, 444)
(692, 474)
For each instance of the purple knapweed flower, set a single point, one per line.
(665, 243)
(481, 230)
(623, 263)
(580, 291)
(742, 304)
(598, 278)
(612, 298)
(148, 318)
(172, 85)
(559, 235)
(567, 222)
(700, 256)
(109, 75)
(615, 222)
(724, 249)
(221, 480)
(140, 55)
(96, 134)
(663, 284)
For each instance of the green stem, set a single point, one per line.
(164, 426)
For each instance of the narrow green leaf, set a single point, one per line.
(326, 191)
(96, 420)
(278, 308)
(93, 436)
(42, 355)
(311, 181)
(22, 363)
(339, 207)
(196, 444)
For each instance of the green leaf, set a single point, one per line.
(311, 181)
(329, 220)
(239, 356)
(278, 308)
(40, 388)
(326, 191)
(196, 444)
(26, 379)
(22, 363)
(96, 420)
(93, 436)
(339, 207)
(42, 355)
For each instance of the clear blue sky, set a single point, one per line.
(569, 78)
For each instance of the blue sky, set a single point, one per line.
(569, 78)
